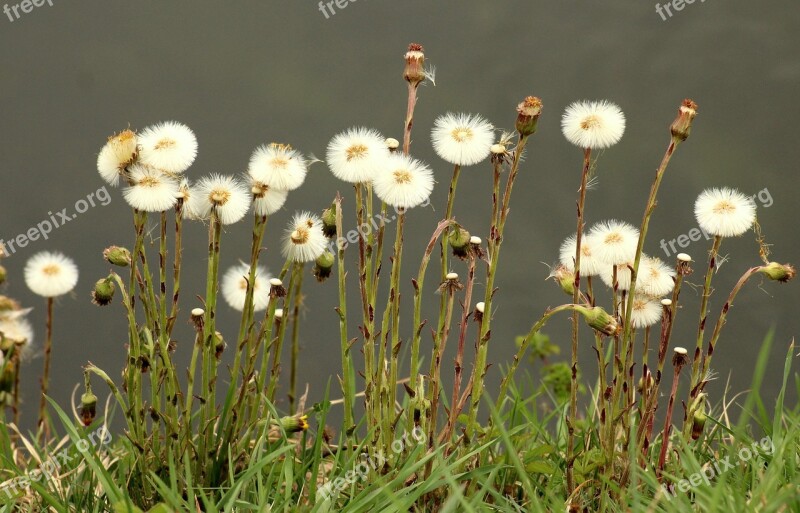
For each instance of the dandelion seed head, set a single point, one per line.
(356, 155)
(234, 287)
(169, 146)
(305, 240)
(51, 274)
(462, 139)
(278, 166)
(590, 265)
(593, 125)
(724, 212)
(613, 242)
(403, 182)
(150, 190)
(226, 196)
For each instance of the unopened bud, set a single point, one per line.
(103, 292)
(3, 274)
(650, 382)
(88, 407)
(414, 72)
(392, 144)
(779, 272)
(219, 345)
(294, 424)
(118, 256)
(599, 320)
(279, 313)
(528, 112)
(698, 424)
(323, 266)
(565, 279)
(458, 239)
(329, 221)
(682, 126)
(197, 317)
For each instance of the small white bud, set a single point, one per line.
(198, 312)
(681, 351)
(475, 240)
(683, 257)
(452, 276)
(480, 306)
(392, 143)
(275, 282)
(279, 313)
(666, 302)
(497, 149)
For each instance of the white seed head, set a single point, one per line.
(277, 166)
(168, 146)
(51, 274)
(594, 125)
(234, 287)
(403, 182)
(724, 212)
(305, 239)
(462, 139)
(151, 190)
(357, 154)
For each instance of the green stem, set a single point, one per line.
(348, 390)
(298, 299)
(44, 423)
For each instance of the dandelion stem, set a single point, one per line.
(298, 301)
(348, 389)
(573, 396)
(701, 326)
(44, 424)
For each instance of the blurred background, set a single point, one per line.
(247, 73)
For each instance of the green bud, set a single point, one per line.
(599, 320)
(565, 279)
(294, 424)
(88, 407)
(459, 242)
(103, 292)
(323, 266)
(329, 221)
(698, 424)
(3, 274)
(779, 272)
(219, 345)
(118, 256)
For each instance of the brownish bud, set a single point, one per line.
(682, 126)
(528, 112)
(414, 72)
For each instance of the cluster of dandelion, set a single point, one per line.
(174, 419)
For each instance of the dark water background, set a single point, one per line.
(245, 73)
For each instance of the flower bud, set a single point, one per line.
(599, 320)
(392, 144)
(118, 256)
(414, 72)
(779, 272)
(329, 221)
(565, 279)
(219, 345)
(478, 313)
(7, 377)
(103, 292)
(698, 424)
(294, 424)
(682, 126)
(323, 266)
(528, 112)
(3, 274)
(650, 382)
(459, 240)
(88, 407)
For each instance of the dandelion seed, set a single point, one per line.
(224, 195)
(724, 212)
(590, 265)
(118, 153)
(613, 242)
(593, 125)
(150, 190)
(278, 166)
(646, 312)
(51, 274)
(169, 146)
(17, 329)
(462, 139)
(234, 287)
(404, 182)
(305, 240)
(356, 155)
